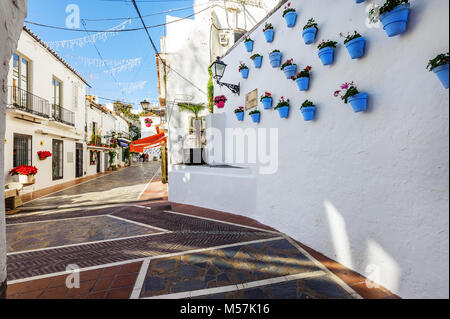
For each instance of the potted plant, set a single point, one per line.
(289, 68)
(256, 116)
(326, 51)
(310, 31)
(248, 43)
(355, 44)
(194, 109)
(239, 113)
(289, 15)
(350, 93)
(268, 32)
(148, 122)
(26, 173)
(302, 79)
(220, 100)
(439, 65)
(44, 154)
(244, 70)
(283, 107)
(257, 60)
(275, 58)
(359, 1)
(308, 110)
(266, 100)
(393, 15)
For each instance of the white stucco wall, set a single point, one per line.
(12, 14)
(369, 190)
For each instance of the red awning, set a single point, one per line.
(139, 146)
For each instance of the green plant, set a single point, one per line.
(349, 37)
(325, 44)
(389, 5)
(247, 39)
(112, 156)
(282, 103)
(267, 26)
(242, 66)
(311, 24)
(288, 62)
(350, 90)
(254, 56)
(240, 109)
(192, 108)
(210, 90)
(441, 59)
(254, 112)
(274, 51)
(307, 103)
(287, 9)
(265, 96)
(303, 74)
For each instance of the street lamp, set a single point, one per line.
(218, 69)
(145, 105)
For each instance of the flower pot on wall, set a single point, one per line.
(289, 71)
(395, 21)
(283, 111)
(258, 62)
(309, 35)
(256, 117)
(303, 83)
(240, 116)
(359, 1)
(442, 74)
(291, 19)
(356, 47)
(267, 103)
(275, 59)
(308, 113)
(220, 104)
(26, 179)
(269, 34)
(244, 73)
(249, 46)
(359, 102)
(326, 55)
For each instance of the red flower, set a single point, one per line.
(24, 170)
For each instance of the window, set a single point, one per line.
(57, 159)
(20, 80)
(22, 150)
(57, 90)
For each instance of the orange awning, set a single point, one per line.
(139, 146)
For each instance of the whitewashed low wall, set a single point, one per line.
(369, 190)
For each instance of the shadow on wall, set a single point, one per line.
(380, 266)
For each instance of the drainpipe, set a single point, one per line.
(12, 14)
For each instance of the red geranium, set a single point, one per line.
(44, 154)
(24, 170)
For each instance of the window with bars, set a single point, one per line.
(57, 159)
(22, 150)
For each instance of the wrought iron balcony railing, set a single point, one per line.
(125, 135)
(25, 101)
(62, 115)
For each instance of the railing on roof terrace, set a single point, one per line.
(62, 115)
(25, 101)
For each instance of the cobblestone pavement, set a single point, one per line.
(124, 185)
(151, 251)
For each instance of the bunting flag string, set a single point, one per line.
(81, 42)
(129, 87)
(114, 66)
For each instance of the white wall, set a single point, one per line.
(366, 189)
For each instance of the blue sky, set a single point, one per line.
(139, 82)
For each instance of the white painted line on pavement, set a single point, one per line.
(140, 279)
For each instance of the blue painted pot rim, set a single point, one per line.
(269, 31)
(393, 11)
(289, 67)
(267, 98)
(308, 108)
(360, 39)
(273, 54)
(326, 50)
(309, 30)
(441, 68)
(359, 96)
(290, 13)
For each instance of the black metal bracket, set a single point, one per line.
(236, 89)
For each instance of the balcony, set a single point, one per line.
(62, 115)
(25, 101)
(124, 135)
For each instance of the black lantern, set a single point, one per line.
(218, 69)
(145, 105)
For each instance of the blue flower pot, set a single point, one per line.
(275, 59)
(267, 103)
(249, 46)
(244, 73)
(359, 102)
(289, 71)
(308, 113)
(303, 84)
(309, 35)
(240, 116)
(359, 1)
(442, 74)
(256, 117)
(291, 18)
(269, 35)
(283, 111)
(395, 21)
(257, 61)
(356, 47)
(326, 55)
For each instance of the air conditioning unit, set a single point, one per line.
(223, 38)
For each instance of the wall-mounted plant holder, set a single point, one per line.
(395, 21)
(303, 83)
(326, 55)
(309, 35)
(257, 60)
(244, 73)
(442, 74)
(248, 45)
(289, 71)
(356, 47)
(240, 116)
(360, 1)
(256, 116)
(308, 113)
(359, 101)
(275, 59)
(267, 103)
(219, 101)
(291, 19)
(269, 35)
(283, 111)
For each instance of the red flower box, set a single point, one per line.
(24, 170)
(44, 154)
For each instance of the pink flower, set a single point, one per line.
(345, 86)
(336, 93)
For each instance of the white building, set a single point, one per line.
(188, 49)
(369, 189)
(45, 112)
